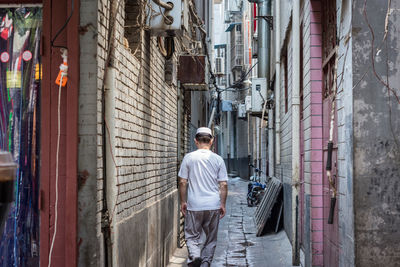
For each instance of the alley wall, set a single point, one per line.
(284, 169)
(141, 149)
(376, 133)
(345, 155)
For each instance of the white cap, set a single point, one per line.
(204, 130)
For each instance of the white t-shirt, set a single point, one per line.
(203, 169)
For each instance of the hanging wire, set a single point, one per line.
(62, 28)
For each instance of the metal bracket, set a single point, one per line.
(269, 19)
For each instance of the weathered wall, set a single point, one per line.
(345, 135)
(89, 249)
(312, 132)
(376, 134)
(141, 115)
(312, 105)
(284, 170)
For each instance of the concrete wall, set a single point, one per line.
(345, 135)
(376, 140)
(89, 248)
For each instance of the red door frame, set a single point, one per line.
(55, 13)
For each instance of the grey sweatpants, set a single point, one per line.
(195, 223)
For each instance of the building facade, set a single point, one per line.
(325, 95)
(330, 127)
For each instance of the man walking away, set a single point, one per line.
(205, 172)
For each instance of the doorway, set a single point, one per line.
(20, 89)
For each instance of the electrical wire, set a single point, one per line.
(57, 159)
(62, 28)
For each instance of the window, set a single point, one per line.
(329, 47)
(219, 67)
(239, 28)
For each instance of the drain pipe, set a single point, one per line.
(277, 82)
(264, 47)
(228, 114)
(295, 131)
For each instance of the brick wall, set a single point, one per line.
(284, 170)
(313, 128)
(142, 125)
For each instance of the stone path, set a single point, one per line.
(237, 242)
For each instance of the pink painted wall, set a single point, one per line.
(312, 121)
(316, 134)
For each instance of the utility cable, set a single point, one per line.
(62, 28)
(57, 161)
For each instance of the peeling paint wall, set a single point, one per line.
(376, 134)
(345, 135)
(89, 247)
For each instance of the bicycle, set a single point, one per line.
(255, 189)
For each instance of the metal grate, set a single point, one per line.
(264, 210)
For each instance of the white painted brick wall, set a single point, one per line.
(285, 167)
(145, 123)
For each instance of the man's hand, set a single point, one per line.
(222, 212)
(183, 208)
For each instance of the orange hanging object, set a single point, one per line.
(63, 73)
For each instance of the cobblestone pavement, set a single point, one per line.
(237, 241)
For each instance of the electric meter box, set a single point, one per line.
(164, 22)
(242, 111)
(258, 94)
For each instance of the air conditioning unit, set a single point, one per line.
(242, 111)
(219, 65)
(228, 16)
(258, 95)
(163, 22)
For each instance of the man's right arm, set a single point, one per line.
(182, 193)
(223, 191)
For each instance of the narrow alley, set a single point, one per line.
(119, 118)
(237, 241)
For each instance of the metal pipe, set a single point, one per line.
(264, 47)
(277, 82)
(211, 117)
(295, 129)
(229, 138)
(264, 39)
(166, 6)
(271, 157)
